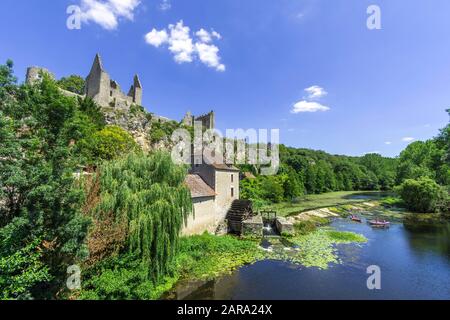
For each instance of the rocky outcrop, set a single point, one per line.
(138, 123)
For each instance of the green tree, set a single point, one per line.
(293, 186)
(417, 160)
(110, 143)
(21, 266)
(73, 83)
(148, 196)
(93, 111)
(423, 195)
(272, 188)
(36, 184)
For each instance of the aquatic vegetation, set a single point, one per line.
(309, 225)
(304, 227)
(390, 202)
(345, 237)
(317, 249)
(207, 256)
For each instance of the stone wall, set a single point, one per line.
(253, 227)
(203, 219)
(284, 226)
(227, 188)
(208, 120)
(34, 74)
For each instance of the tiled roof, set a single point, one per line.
(224, 167)
(198, 187)
(249, 175)
(218, 166)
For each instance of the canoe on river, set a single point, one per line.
(379, 223)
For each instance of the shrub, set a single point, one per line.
(161, 130)
(110, 143)
(307, 226)
(423, 195)
(72, 83)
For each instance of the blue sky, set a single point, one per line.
(371, 90)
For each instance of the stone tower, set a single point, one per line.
(98, 83)
(136, 91)
(188, 119)
(208, 120)
(34, 74)
(107, 92)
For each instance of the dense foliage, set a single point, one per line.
(163, 130)
(148, 196)
(50, 218)
(424, 174)
(423, 195)
(73, 83)
(109, 143)
(41, 227)
(306, 171)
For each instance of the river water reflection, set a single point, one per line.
(414, 265)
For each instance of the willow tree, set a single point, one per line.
(147, 194)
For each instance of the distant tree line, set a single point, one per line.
(420, 175)
(305, 171)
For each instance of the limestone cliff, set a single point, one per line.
(141, 125)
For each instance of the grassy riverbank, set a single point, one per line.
(199, 257)
(317, 201)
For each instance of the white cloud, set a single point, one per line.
(203, 35)
(315, 92)
(107, 13)
(209, 55)
(180, 42)
(156, 38)
(186, 49)
(408, 139)
(388, 142)
(216, 35)
(308, 106)
(165, 5)
(206, 37)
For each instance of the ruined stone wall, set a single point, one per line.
(34, 74)
(208, 120)
(98, 87)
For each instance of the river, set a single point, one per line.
(413, 264)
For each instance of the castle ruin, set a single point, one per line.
(107, 92)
